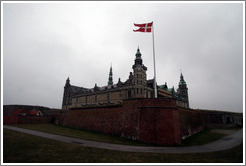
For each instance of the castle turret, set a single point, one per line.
(110, 78)
(139, 76)
(66, 94)
(67, 82)
(183, 90)
(96, 88)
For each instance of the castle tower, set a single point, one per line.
(66, 94)
(67, 82)
(183, 90)
(110, 78)
(139, 77)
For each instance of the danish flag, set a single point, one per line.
(147, 27)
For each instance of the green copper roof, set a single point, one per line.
(110, 78)
(138, 54)
(170, 89)
(182, 81)
(164, 86)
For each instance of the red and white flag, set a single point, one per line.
(147, 27)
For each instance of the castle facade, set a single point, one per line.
(136, 86)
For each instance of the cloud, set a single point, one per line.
(44, 43)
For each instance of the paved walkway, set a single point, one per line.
(222, 144)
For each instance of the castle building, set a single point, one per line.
(136, 86)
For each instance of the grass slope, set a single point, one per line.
(77, 133)
(200, 138)
(25, 148)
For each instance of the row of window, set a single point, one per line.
(140, 75)
(128, 94)
(95, 98)
(139, 82)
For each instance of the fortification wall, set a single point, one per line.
(148, 120)
(191, 122)
(25, 119)
(8, 119)
(9, 109)
(213, 118)
(155, 121)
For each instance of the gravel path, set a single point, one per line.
(225, 143)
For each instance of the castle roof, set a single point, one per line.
(182, 81)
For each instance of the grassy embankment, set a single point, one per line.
(198, 139)
(25, 148)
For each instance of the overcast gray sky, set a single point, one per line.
(44, 43)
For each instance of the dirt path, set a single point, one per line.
(227, 142)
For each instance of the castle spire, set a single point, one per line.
(183, 90)
(138, 60)
(67, 82)
(182, 81)
(110, 78)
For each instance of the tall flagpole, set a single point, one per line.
(155, 86)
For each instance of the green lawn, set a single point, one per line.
(198, 139)
(25, 148)
(203, 137)
(77, 133)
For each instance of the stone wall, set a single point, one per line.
(148, 120)
(191, 122)
(155, 121)
(221, 118)
(10, 109)
(8, 119)
(25, 119)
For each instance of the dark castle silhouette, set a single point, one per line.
(136, 86)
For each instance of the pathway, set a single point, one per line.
(222, 144)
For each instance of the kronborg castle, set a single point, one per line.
(136, 86)
(127, 109)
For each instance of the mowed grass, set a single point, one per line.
(200, 138)
(24, 148)
(82, 134)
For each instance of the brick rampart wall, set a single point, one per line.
(191, 122)
(7, 119)
(221, 118)
(33, 119)
(25, 119)
(147, 120)
(10, 109)
(155, 121)
(159, 125)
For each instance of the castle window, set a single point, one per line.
(129, 94)
(108, 96)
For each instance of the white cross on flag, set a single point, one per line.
(147, 27)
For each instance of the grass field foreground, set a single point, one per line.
(25, 148)
(77, 133)
(201, 138)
